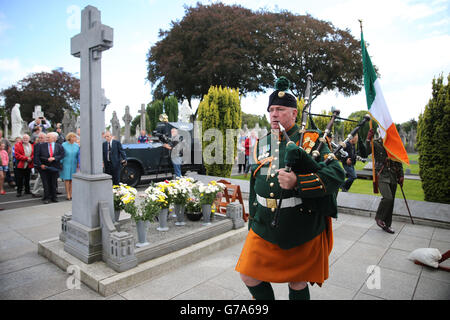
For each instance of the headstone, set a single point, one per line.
(115, 126)
(105, 103)
(127, 119)
(143, 113)
(77, 123)
(411, 140)
(37, 112)
(16, 122)
(67, 123)
(138, 132)
(263, 132)
(92, 189)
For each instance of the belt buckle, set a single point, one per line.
(271, 203)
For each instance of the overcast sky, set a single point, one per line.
(409, 43)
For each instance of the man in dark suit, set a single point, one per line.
(113, 157)
(48, 156)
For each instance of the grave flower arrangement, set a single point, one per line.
(181, 190)
(208, 193)
(193, 204)
(123, 195)
(154, 199)
(166, 187)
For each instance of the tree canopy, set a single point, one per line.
(54, 91)
(231, 46)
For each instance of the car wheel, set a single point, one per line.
(131, 174)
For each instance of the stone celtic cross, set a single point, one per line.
(143, 113)
(88, 46)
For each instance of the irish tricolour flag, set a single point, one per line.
(379, 111)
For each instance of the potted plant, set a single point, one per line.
(121, 192)
(193, 208)
(207, 194)
(180, 193)
(162, 193)
(139, 215)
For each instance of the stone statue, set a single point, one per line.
(185, 112)
(16, 122)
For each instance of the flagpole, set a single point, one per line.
(374, 178)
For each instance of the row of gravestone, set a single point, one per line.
(19, 126)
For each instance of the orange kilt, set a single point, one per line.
(266, 261)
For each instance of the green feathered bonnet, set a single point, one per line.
(280, 96)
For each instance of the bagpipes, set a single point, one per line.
(349, 137)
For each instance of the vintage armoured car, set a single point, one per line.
(152, 158)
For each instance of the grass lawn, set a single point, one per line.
(412, 157)
(412, 188)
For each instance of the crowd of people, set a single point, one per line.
(49, 155)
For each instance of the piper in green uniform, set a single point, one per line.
(389, 173)
(297, 250)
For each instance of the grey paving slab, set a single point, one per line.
(430, 289)
(331, 292)
(365, 254)
(340, 246)
(82, 293)
(409, 243)
(359, 221)
(15, 247)
(349, 275)
(441, 234)
(364, 296)
(378, 237)
(349, 232)
(231, 280)
(394, 285)
(435, 274)
(22, 262)
(395, 259)
(34, 283)
(419, 231)
(207, 289)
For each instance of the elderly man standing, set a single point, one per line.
(48, 156)
(113, 157)
(296, 250)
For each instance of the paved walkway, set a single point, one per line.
(358, 244)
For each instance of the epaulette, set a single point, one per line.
(310, 138)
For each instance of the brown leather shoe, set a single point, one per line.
(380, 223)
(388, 230)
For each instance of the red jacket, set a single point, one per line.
(19, 153)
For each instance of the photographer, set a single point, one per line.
(40, 122)
(176, 156)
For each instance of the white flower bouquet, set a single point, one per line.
(207, 193)
(123, 195)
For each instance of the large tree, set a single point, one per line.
(433, 136)
(54, 91)
(294, 45)
(212, 45)
(231, 46)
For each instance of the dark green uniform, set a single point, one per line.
(388, 172)
(302, 216)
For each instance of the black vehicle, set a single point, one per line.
(152, 158)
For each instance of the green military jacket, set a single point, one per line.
(387, 170)
(315, 190)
